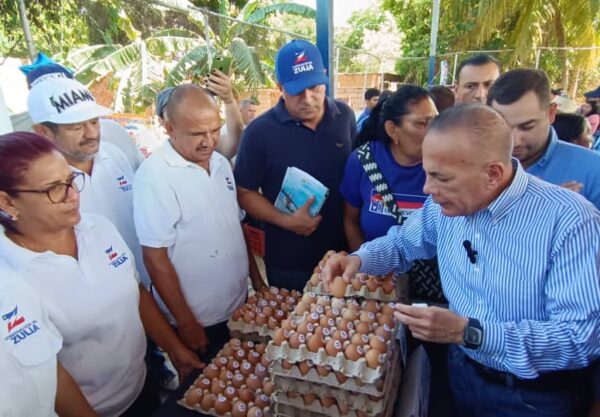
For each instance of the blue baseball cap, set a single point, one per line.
(162, 99)
(298, 66)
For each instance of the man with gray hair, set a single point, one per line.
(519, 265)
(248, 110)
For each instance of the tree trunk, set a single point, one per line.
(562, 42)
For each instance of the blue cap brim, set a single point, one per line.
(297, 86)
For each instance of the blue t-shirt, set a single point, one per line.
(275, 141)
(563, 162)
(360, 120)
(406, 183)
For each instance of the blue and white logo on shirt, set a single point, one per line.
(114, 259)
(19, 328)
(123, 184)
(407, 203)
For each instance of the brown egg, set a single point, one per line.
(230, 393)
(233, 365)
(315, 279)
(367, 316)
(255, 412)
(268, 388)
(349, 314)
(261, 372)
(261, 319)
(356, 284)
(384, 331)
(260, 348)
(288, 325)
(297, 339)
(374, 358)
(327, 402)
(193, 397)
(217, 386)
(315, 342)
(280, 315)
(309, 297)
(208, 401)
(291, 300)
(378, 343)
(333, 347)
(262, 400)
(249, 316)
(309, 398)
(245, 394)
(304, 367)
(265, 361)
(313, 318)
(253, 299)
(237, 314)
(279, 298)
(353, 352)
(246, 368)
(372, 284)
(285, 307)
(285, 292)
(202, 383)
(253, 357)
(262, 303)
(340, 335)
(344, 408)
(324, 301)
(372, 306)
(222, 405)
(211, 371)
(240, 354)
(323, 371)
(280, 336)
(268, 311)
(338, 303)
(363, 327)
(388, 286)
(225, 375)
(315, 308)
(302, 308)
(325, 332)
(359, 339)
(235, 342)
(227, 351)
(338, 287)
(326, 321)
(305, 327)
(238, 380)
(387, 319)
(286, 365)
(253, 382)
(341, 377)
(221, 361)
(239, 409)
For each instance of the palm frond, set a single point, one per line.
(195, 61)
(247, 62)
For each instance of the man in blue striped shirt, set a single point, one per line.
(519, 261)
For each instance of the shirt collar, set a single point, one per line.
(331, 110)
(551, 147)
(511, 194)
(18, 257)
(174, 159)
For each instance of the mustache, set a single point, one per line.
(87, 141)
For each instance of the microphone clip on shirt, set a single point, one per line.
(471, 253)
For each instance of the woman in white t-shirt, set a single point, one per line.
(85, 276)
(32, 382)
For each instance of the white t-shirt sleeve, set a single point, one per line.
(156, 210)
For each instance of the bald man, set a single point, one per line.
(188, 220)
(518, 260)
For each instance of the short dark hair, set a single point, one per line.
(569, 126)
(391, 108)
(372, 92)
(443, 97)
(477, 61)
(51, 125)
(514, 84)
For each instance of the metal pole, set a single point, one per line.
(325, 39)
(27, 31)
(538, 52)
(337, 70)
(435, 20)
(454, 70)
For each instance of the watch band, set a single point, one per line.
(473, 334)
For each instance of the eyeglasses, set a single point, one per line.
(57, 193)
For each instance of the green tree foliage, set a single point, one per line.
(56, 26)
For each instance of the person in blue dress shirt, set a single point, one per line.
(519, 262)
(523, 97)
(371, 100)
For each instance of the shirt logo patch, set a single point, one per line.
(123, 183)
(229, 183)
(18, 329)
(302, 64)
(407, 204)
(114, 259)
(13, 319)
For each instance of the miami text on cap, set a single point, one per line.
(63, 101)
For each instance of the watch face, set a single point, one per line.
(473, 336)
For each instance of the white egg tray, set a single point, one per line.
(242, 327)
(364, 292)
(356, 401)
(267, 412)
(295, 407)
(349, 387)
(356, 369)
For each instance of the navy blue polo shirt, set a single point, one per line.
(275, 141)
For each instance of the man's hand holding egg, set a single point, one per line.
(345, 266)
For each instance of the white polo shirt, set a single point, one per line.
(29, 343)
(109, 192)
(178, 206)
(94, 304)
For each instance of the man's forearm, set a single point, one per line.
(260, 208)
(165, 280)
(235, 126)
(70, 401)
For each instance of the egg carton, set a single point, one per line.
(353, 400)
(267, 411)
(241, 327)
(364, 292)
(295, 407)
(356, 369)
(349, 388)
